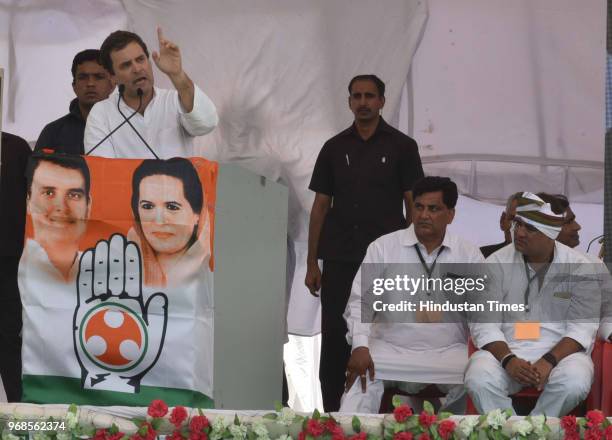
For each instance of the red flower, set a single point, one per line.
(314, 428)
(571, 435)
(424, 436)
(198, 424)
(337, 433)
(594, 418)
(426, 420)
(147, 432)
(117, 436)
(608, 433)
(158, 408)
(568, 423)
(592, 434)
(302, 436)
(178, 415)
(176, 435)
(198, 436)
(401, 413)
(100, 434)
(403, 436)
(360, 436)
(446, 428)
(330, 424)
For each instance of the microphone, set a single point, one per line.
(126, 120)
(140, 93)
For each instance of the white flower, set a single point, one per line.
(286, 416)
(522, 427)
(496, 419)
(39, 435)
(218, 427)
(239, 432)
(64, 435)
(71, 420)
(467, 425)
(260, 429)
(285, 437)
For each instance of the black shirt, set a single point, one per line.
(15, 155)
(64, 135)
(367, 181)
(492, 248)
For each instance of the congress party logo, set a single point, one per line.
(118, 331)
(113, 337)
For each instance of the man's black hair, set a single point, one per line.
(376, 80)
(436, 183)
(117, 41)
(81, 57)
(69, 161)
(558, 202)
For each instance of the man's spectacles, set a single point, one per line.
(520, 224)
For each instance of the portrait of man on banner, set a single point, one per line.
(126, 283)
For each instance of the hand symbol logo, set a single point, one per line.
(117, 336)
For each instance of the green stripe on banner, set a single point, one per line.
(58, 389)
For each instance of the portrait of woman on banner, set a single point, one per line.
(172, 226)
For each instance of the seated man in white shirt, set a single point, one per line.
(419, 350)
(569, 236)
(165, 122)
(546, 343)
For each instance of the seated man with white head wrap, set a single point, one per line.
(546, 344)
(417, 349)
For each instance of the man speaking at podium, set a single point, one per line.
(162, 123)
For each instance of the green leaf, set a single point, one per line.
(278, 406)
(434, 432)
(396, 401)
(309, 437)
(356, 424)
(138, 421)
(125, 437)
(114, 429)
(473, 436)
(316, 414)
(508, 412)
(581, 422)
(200, 412)
(236, 420)
(270, 416)
(428, 407)
(72, 408)
(156, 423)
(444, 415)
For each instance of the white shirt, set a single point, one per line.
(415, 352)
(48, 302)
(553, 299)
(166, 127)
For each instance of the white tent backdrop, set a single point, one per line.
(502, 96)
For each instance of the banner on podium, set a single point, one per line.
(116, 281)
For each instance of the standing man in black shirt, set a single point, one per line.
(15, 155)
(362, 179)
(91, 83)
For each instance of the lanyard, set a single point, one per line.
(427, 268)
(542, 271)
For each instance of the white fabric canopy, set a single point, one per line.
(522, 79)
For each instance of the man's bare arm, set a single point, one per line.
(320, 207)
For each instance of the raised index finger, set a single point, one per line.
(160, 35)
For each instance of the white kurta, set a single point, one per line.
(569, 382)
(42, 312)
(412, 352)
(166, 127)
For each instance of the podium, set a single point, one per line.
(250, 246)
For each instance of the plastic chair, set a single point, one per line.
(606, 380)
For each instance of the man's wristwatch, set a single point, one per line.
(551, 359)
(507, 358)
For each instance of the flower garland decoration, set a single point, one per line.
(285, 424)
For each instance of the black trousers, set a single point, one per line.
(336, 282)
(10, 328)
